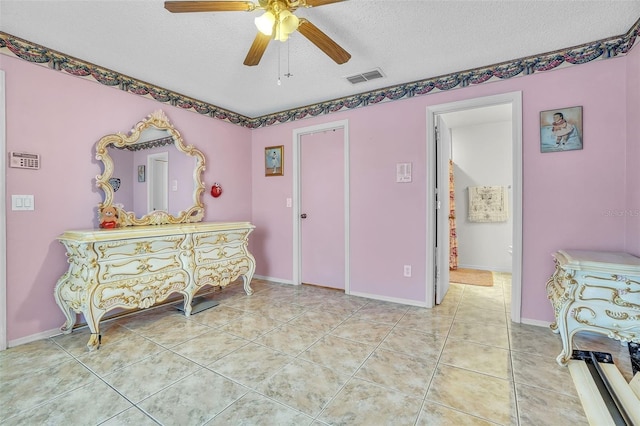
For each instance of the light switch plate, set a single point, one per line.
(403, 172)
(22, 202)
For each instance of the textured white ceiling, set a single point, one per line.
(200, 54)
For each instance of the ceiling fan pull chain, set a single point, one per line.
(288, 74)
(279, 82)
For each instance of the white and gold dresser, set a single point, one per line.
(138, 267)
(153, 243)
(595, 291)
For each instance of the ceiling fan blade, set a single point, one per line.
(316, 3)
(324, 43)
(257, 49)
(209, 6)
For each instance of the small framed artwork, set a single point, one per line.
(141, 173)
(561, 129)
(273, 160)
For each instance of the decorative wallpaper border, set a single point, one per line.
(602, 49)
(155, 143)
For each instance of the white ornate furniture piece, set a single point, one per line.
(595, 291)
(138, 267)
(147, 254)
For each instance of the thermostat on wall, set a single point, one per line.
(23, 160)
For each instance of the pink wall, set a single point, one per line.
(124, 170)
(61, 117)
(633, 153)
(565, 196)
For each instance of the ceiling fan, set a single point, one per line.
(278, 22)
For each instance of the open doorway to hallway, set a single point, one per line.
(480, 176)
(460, 115)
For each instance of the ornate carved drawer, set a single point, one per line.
(138, 267)
(139, 273)
(221, 257)
(595, 291)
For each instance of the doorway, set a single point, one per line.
(438, 222)
(318, 152)
(158, 182)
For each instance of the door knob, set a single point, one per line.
(303, 216)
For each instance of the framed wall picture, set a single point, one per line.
(273, 160)
(141, 173)
(561, 129)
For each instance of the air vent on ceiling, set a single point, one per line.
(365, 76)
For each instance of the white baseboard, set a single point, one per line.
(274, 280)
(365, 295)
(390, 299)
(34, 337)
(538, 323)
(485, 268)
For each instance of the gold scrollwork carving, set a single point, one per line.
(144, 265)
(222, 239)
(138, 248)
(576, 314)
(139, 292)
(221, 273)
(615, 277)
(622, 316)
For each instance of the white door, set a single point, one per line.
(322, 206)
(158, 180)
(443, 153)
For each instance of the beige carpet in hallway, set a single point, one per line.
(471, 276)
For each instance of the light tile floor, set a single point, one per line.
(303, 356)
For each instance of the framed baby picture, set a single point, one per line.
(273, 160)
(561, 129)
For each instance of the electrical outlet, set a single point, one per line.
(407, 270)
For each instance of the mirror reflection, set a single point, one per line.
(150, 176)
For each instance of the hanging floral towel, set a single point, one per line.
(488, 204)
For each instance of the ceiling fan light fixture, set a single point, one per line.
(287, 23)
(265, 23)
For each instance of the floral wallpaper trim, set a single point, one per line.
(139, 146)
(602, 49)
(14, 46)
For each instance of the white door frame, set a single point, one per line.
(297, 241)
(3, 217)
(515, 100)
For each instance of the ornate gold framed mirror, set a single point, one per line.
(150, 177)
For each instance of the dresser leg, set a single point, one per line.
(188, 300)
(94, 342)
(67, 327)
(69, 314)
(94, 326)
(246, 278)
(247, 284)
(565, 355)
